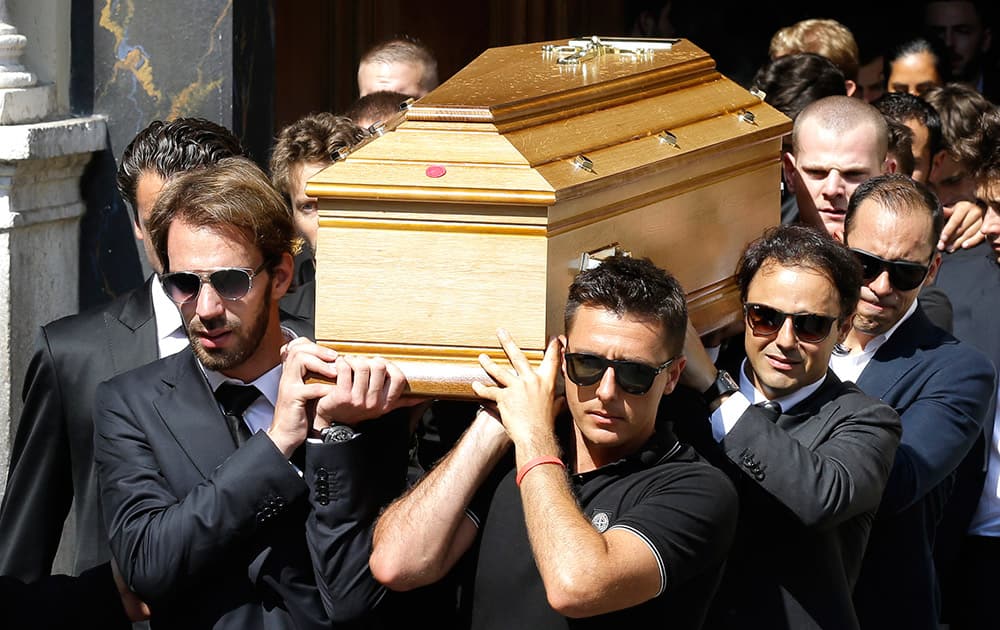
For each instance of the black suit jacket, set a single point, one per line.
(89, 600)
(809, 485)
(942, 390)
(971, 279)
(52, 461)
(213, 536)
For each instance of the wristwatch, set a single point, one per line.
(337, 433)
(724, 384)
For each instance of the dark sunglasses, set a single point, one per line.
(231, 283)
(903, 275)
(635, 378)
(766, 321)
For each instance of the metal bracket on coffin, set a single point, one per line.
(593, 259)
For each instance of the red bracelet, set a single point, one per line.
(532, 463)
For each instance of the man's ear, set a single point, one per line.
(851, 87)
(562, 354)
(891, 165)
(788, 165)
(933, 269)
(844, 327)
(936, 162)
(281, 276)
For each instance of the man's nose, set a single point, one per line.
(833, 185)
(209, 305)
(880, 285)
(607, 388)
(786, 335)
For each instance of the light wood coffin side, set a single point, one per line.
(422, 270)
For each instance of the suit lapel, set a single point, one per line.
(131, 331)
(189, 410)
(809, 420)
(897, 356)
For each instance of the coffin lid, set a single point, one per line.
(509, 128)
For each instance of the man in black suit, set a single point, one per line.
(216, 509)
(941, 388)
(809, 454)
(974, 579)
(52, 462)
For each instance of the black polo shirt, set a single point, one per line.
(681, 506)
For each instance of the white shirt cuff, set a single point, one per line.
(728, 414)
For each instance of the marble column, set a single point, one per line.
(42, 155)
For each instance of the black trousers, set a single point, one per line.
(976, 585)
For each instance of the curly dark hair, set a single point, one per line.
(168, 148)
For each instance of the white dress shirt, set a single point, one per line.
(848, 367)
(260, 412)
(729, 412)
(171, 337)
(986, 520)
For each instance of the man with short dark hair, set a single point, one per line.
(963, 27)
(52, 460)
(377, 107)
(604, 513)
(940, 387)
(809, 454)
(301, 150)
(403, 64)
(215, 505)
(837, 143)
(923, 121)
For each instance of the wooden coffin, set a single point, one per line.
(475, 207)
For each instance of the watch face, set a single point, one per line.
(730, 383)
(339, 433)
(724, 384)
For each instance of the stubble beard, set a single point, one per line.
(248, 338)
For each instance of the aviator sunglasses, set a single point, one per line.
(231, 283)
(633, 377)
(766, 321)
(903, 275)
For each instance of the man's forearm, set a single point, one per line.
(566, 546)
(420, 536)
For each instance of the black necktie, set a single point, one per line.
(771, 408)
(234, 400)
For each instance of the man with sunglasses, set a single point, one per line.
(809, 454)
(602, 511)
(52, 461)
(940, 387)
(215, 504)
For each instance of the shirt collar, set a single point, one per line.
(166, 312)
(877, 341)
(755, 396)
(267, 382)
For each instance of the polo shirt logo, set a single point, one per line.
(601, 521)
